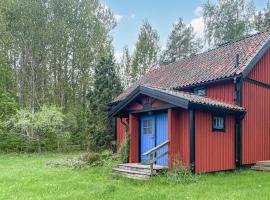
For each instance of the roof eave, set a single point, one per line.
(216, 108)
(177, 101)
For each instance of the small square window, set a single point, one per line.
(201, 91)
(218, 123)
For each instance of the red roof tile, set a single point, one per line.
(211, 65)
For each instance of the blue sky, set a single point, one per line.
(161, 14)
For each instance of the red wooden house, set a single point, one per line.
(213, 108)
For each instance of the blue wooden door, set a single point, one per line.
(162, 136)
(147, 135)
(154, 131)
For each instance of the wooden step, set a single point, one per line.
(260, 168)
(137, 170)
(133, 173)
(263, 163)
(142, 166)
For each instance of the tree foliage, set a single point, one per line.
(8, 107)
(107, 86)
(125, 68)
(181, 43)
(146, 51)
(228, 20)
(262, 19)
(46, 124)
(48, 53)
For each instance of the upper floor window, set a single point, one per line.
(201, 91)
(218, 123)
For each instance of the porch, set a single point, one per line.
(173, 119)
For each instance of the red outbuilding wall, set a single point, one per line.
(215, 151)
(134, 138)
(178, 120)
(256, 124)
(261, 72)
(120, 130)
(222, 92)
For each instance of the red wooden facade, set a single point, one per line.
(222, 92)
(120, 130)
(134, 138)
(214, 151)
(178, 136)
(256, 124)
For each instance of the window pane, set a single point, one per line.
(218, 122)
(144, 123)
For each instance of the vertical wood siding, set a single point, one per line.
(134, 138)
(120, 131)
(256, 124)
(215, 151)
(178, 126)
(222, 92)
(183, 125)
(261, 72)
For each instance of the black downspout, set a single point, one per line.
(192, 139)
(238, 121)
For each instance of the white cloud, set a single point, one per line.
(198, 25)
(198, 11)
(131, 16)
(118, 18)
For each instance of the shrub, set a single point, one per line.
(123, 151)
(90, 157)
(11, 142)
(180, 173)
(45, 128)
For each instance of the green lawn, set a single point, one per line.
(28, 177)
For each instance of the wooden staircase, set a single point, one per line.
(138, 171)
(144, 171)
(262, 166)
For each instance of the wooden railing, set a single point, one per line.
(152, 152)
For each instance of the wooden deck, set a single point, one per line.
(138, 170)
(262, 166)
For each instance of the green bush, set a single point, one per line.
(11, 142)
(45, 129)
(180, 174)
(90, 157)
(123, 151)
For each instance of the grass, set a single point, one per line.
(26, 176)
